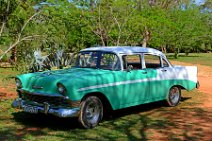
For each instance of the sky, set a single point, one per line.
(199, 2)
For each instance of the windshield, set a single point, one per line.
(100, 60)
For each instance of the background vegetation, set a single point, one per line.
(52, 25)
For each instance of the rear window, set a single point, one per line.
(133, 60)
(152, 61)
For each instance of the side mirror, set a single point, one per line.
(129, 68)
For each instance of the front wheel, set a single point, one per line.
(174, 96)
(91, 112)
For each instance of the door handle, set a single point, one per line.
(163, 70)
(144, 72)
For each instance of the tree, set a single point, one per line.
(14, 21)
(72, 25)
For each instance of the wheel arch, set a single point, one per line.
(184, 86)
(106, 104)
(179, 86)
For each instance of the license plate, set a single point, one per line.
(31, 109)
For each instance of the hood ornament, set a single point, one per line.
(47, 73)
(37, 87)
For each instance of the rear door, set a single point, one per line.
(157, 69)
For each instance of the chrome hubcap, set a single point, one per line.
(92, 113)
(174, 95)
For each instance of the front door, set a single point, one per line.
(135, 88)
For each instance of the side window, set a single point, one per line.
(152, 61)
(87, 59)
(109, 61)
(133, 60)
(165, 63)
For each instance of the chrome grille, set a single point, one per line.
(51, 100)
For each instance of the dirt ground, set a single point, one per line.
(195, 125)
(205, 79)
(201, 121)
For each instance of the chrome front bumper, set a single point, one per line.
(45, 108)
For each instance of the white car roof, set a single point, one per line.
(125, 50)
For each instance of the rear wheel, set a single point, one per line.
(91, 112)
(174, 96)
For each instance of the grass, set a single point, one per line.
(136, 123)
(194, 58)
(155, 121)
(7, 76)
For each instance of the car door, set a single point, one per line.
(158, 69)
(136, 89)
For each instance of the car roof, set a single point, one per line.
(125, 49)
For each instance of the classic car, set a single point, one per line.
(104, 78)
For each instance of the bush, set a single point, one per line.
(5, 58)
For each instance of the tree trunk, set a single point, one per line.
(92, 5)
(5, 18)
(13, 56)
(144, 44)
(152, 2)
(176, 53)
(163, 48)
(146, 37)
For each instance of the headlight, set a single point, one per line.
(18, 83)
(61, 89)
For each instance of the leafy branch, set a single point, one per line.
(20, 39)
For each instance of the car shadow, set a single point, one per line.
(185, 98)
(46, 121)
(135, 110)
(140, 108)
(65, 124)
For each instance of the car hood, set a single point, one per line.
(47, 81)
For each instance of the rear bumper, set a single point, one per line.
(45, 108)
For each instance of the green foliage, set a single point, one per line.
(178, 26)
(4, 59)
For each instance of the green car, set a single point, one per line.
(104, 78)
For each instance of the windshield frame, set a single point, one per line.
(98, 61)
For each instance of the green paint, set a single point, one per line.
(121, 88)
